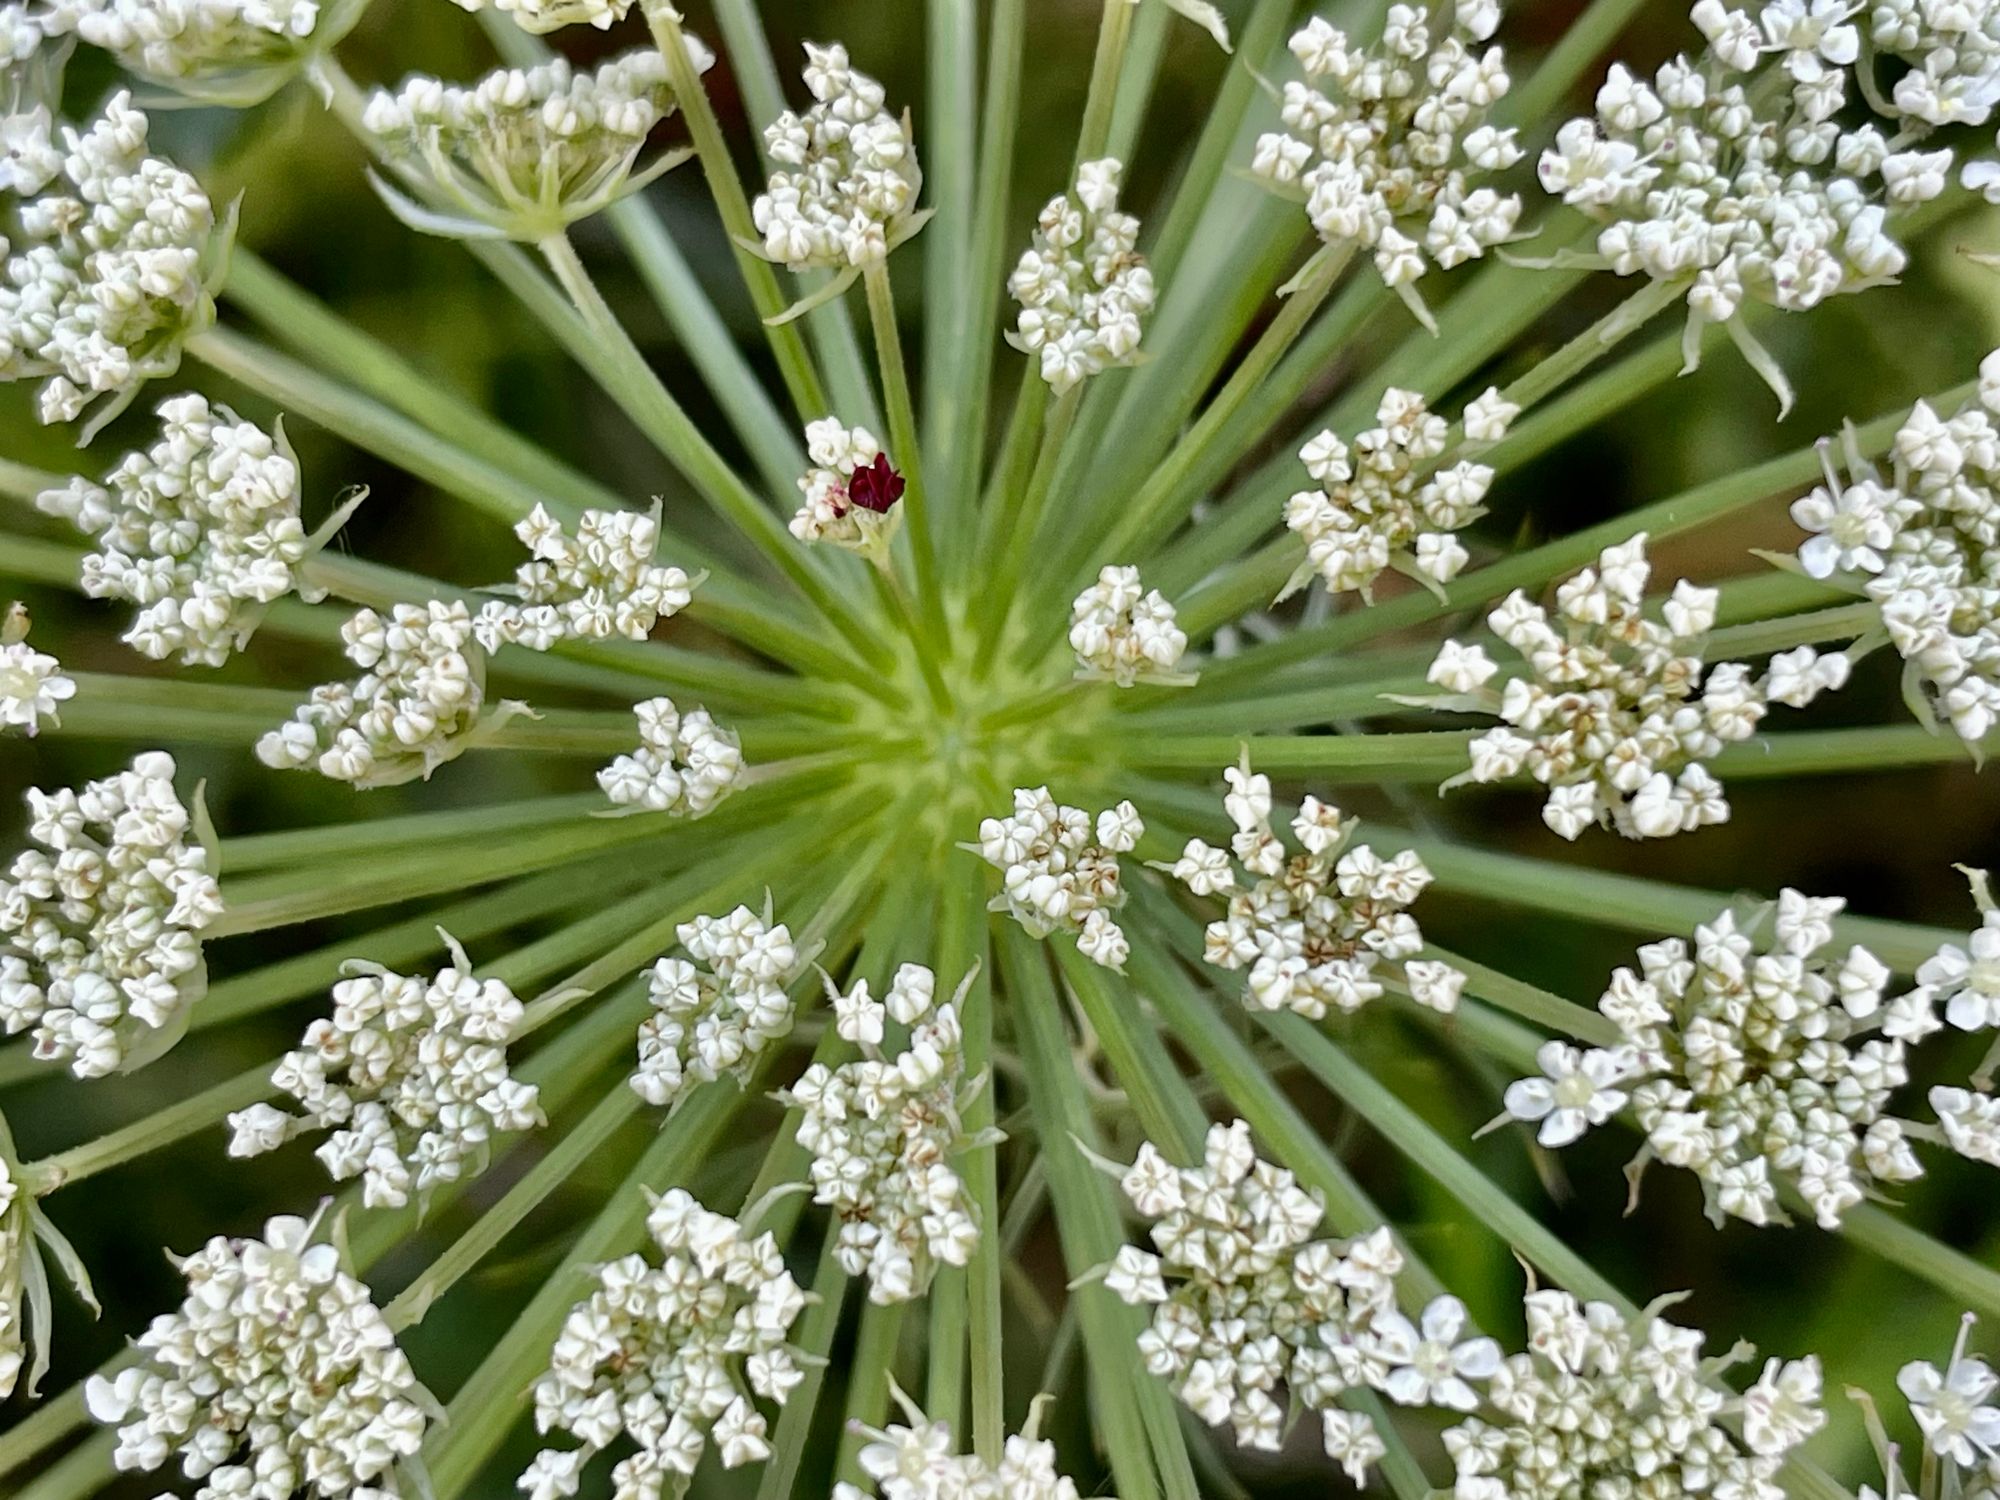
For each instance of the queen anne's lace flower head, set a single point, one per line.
(1083, 286)
(233, 52)
(411, 1075)
(1386, 143)
(1616, 713)
(1123, 633)
(917, 1462)
(596, 585)
(201, 531)
(883, 1130)
(32, 686)
(551, 15)
(1318, 930)
(674, 1356)
(850, 492)
(716, 1011)
(523, 153)
(685, 764)
(277, 1376)
(1055, 877)
(100, 928)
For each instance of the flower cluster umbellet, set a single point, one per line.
(1390, 500)
(685, 764)
(1388, 143)
(1124, 633)
(234, 52)
(32, 685)
(1617, 713)
(1318, 930)
(551, 15)
(917, 1462)
(277, 1376)
(410, 1074)
(718, 1010)
(100, 928)
(1951, 50)
(523, 152)
(850, 492)
(1924, 544)
(601, 583)
(201, 531)
(671, 1355)
(883, 1130)
(1055, 877)
(1083, 286)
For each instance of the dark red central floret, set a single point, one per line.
(876, 487)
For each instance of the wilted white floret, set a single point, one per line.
(277, 1376)
(550, 15)
(201, 531)
(674, 1356)
(523, 153)
(1083, 286)
(32, 686)
(225, 51)
(715, 1020)
(409, 1072)
(1318, 930)
(1616, 713)
(686, 763)
(600, 584)
(883, 1130)
(1054, 876)
(1390, 500)
(1386, 143)
(100, 928)
(850, 492)
(1123, 635)
(918, 1462)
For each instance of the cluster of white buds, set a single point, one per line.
(1760, 1068)
(1055, 877)
(410, 1073)
(671, 1355)
(1924, 544)
(524, 152)
(234, 52)
(1951, 49)
(1597, 1405)
(1385, 143)
(1388, 501)
(844, 193)
(1731, 178)
(1957, 1414)
(715, 1021)
(1616, 712)
(883, 1130)
(1123, 633)
(685, 764)
(277, 1376)
(201, 531)
(115, 256)
(1083, 286)
(415, 706)
(32, 686)
(541, 16)
(599, 584)
(100, 928)
(851, 491)
(917, 1462)
(1318, 930)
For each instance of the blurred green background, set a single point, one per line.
(1887, 842)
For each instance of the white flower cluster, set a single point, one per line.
(100, 929)
(1951, 47)
(1617, 713)
(882, 1131)
(1317, 928)
(523, 152)
(277, 1375)
(201, 531)
(1083, 286)
(111, 266)
(671, 1355)
(596, 585)
(851, 491)
(1924, 544)
(847, 180)
(1599, 1406)
(1388, 501)
(715, 1021)
(541, 16)
(228, 51)
(415, 706)
(686, 763)
(1759, 1068)
(1386, 142)
(32, 686)
(917, 1462)
(411, 1075)
(1956, 1412)
(1125, 634)
(1055, 877)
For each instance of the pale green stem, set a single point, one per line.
(906, 455)
(950, 294)
(1550, 373)
(1020, 528)
(296, 846)
(812, 1336)
(1012, 470)
(1374, 757)
(870, 1367)
(1136, 79)
(1114, 36)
